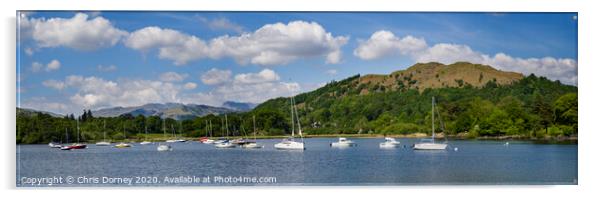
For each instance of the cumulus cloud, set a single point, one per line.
(58, 85)
(172, 77)
(79, 32)
(36, 66)
(43, 103)
(109, 68)
(384, 43)
(265, 75)
(53, 65)
(215, 76)
(272, 44)
(171, 44)
(190, 85)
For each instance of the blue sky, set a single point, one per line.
(68, 61)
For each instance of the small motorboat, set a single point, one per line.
(389, 143)
(343, 142)
(225, 144)
(251, 145)
(54, 145)
(164, 147)
(123, 145)
(145, 142)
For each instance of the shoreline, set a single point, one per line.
(571, 139)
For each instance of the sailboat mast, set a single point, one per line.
(164, 134)
(210, 128)
(77, 125)
(254, 130)
(433, 117)
(292, 118)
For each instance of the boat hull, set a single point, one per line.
(145, 143)
(388, 145)
(225, 145)
(252, 146)
(164, 148)
(430, 146)
(290, 146)
(103, 144)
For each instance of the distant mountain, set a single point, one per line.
(176, 111)
(30, 112)
(239, 106)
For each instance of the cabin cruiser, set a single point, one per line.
(389, 143)
(343, 142)
(290, 144)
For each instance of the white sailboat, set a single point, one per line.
(145, 142)
(225, 143)
(343, 142)
(252, 144)
(430, 144)
(389, 143)
(104, 141)
(123, 144)
(207, 139)
(173, 136)
(163, 146)
(290, 143)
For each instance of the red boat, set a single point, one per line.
(78, 146)
(203, 139)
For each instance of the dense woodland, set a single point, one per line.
(531, 107)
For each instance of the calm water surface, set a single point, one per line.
(475, 162)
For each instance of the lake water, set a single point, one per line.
(196, 164)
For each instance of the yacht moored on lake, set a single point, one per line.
(123, 144)
(224, 142)
(252, 144)
(430, 144)
(389, 143)
(290, 143)
(54, 145)
(343, 142)
(104, 141)
(163, 146)
(76, 145)
(145, 142)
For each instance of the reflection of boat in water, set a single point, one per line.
(389, 143)
(430, 144)
(290, 143)
(343, 142)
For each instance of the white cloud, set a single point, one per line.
(36, 66)
(562, 69)
(272, 44)
(172, 45)
(53, 65)
(42, 103)
(190, 85)
(215, 76)
(58, 85)
(222, 24)
(29, 51)
(172, 77)
(78, 32)
(385, 43)
(109, 68)
(265, 75)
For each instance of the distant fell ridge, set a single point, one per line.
(239, 106)
(176, 111)
(436, 75)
